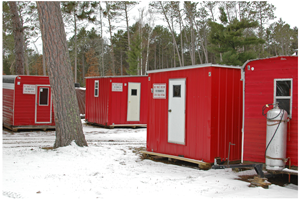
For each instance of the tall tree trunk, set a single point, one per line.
(102, 45)
(147, 54)
(111, 47)
(127, 25)
(25, 50)
(181, 40)
(67, 120)
(75, 67)
(202, 44)
(172, 32)
(18, 37)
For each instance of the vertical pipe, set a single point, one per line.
(243, 122)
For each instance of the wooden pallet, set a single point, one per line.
(128, 125)
(201, 164)
(29, 127)
(117, 125)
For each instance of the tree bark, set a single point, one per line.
(18, 37)
(75, 66)
(67, 120)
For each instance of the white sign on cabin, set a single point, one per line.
(118, 87)
(28, 89)
(159, 91)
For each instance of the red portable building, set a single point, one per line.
(116, 101)
(267, 81)
(195, 112)
(27, 102)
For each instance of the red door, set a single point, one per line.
(43, 105)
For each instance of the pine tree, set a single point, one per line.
(232, 42)
(134, 56)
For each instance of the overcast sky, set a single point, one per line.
(288, 10)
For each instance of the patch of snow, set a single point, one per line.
(110, 168)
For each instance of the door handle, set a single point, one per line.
(170, 110)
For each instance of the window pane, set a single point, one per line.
(96, 88)
(44, 96)
(284, 104)
(133, 92)
(283, 88)
(176, 90)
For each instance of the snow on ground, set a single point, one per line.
(110, 168)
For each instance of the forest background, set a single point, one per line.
(104, 40)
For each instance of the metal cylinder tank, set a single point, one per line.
(276, 139)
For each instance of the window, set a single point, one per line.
(133, 92)
(176, 91)
(96, 88)
(283, 94)
(44, 96)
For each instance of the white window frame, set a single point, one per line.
(96, 81)
(47, 96)
(285, 97)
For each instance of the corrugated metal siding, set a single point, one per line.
(97, 107)
(119, 101)
(111, 107)
(227, 109)
(8, 106)
(259, 90)
(24, 110)
(207, 120)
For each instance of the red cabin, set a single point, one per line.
(268, 81)
(27, 102)
(195, 112)
(116, 101)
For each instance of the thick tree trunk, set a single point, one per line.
(66, 110)
(18, 37)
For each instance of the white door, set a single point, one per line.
(134, 97)
(176, 116)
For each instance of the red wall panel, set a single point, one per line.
(96, 110)
(110, 108)
(259, 90)
(24, 110)
(213, 117)
(21, 112)
(8, 106)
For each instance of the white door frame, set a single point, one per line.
(139, 101)
(37, 102)
(171, 127)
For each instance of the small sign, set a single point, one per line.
(159, 91)
(118, 87)
(28, 89)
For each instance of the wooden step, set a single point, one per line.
(201, 164)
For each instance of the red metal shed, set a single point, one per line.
(116, 101)
(27, 102)
(262, 79)
(195, 111)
